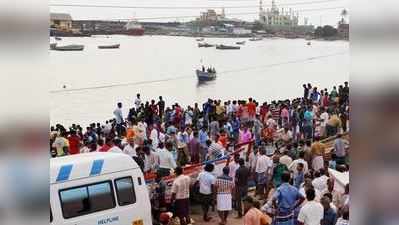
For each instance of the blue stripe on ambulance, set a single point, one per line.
(64, 173)
(96, 167)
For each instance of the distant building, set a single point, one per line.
(343, 30)
(61, 21)
(275, 17)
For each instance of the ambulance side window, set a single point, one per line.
(82, 200)
(125, 191)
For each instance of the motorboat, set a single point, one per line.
(109, 46)
(256, 39)
(226, 47)
(205, 45)
(205, 75)
(240, 42)
(58, 38)
(67, 47)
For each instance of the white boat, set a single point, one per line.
(205, 76)
(67, 47)
(256, 39)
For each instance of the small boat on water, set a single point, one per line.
(309, 43)
(227, 47)
(205, 45)
(67, 47)
(240, 42)
(256, 39)
(205, 75)
(109, 46)
(58, 38)
(200, 39)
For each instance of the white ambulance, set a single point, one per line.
(96, 189)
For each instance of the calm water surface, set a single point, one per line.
(270, 69)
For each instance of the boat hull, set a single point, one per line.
(68, 47)
(205, 76)
(227, 47)
(109, 46)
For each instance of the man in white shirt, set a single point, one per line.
(323, 122)
(154, 136)
(263, 171)
(137, 101)
(320, 183)
(286, 159)
(130, 149)
(118, 118)
(294, 164)
(166, 160)
(181, 196)
(206, 182)
(312, 212)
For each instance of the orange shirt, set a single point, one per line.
(251, 108)
(318, 149)
(223, 140)
(130, 133)
(255, 217)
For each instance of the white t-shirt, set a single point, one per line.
(115, 149)
(206, 180)
(286, 160)
(320, 183)
(263, 164)
(166, 159)
(130, 151)
(137, 102)
(294, 165)
(311, 213)
(324, 117)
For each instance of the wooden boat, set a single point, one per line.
(200, 39)
(69, 48)
(227, 47)
(240, 42)
(109, 46)
(205, 76)
(256, 39)
(205, 45)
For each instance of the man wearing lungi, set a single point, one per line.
(318, 151)
(285, 200)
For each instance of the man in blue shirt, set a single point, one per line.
(330, 216)
(202, 138)
(285, 200)
(235, 124)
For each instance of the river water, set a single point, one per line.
(95, 80)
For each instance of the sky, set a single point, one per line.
(318, 12)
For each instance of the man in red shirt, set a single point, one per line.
(108, 144)
(251, 106)
(74, 143)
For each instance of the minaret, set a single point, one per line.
(260, 6)
(273, 6)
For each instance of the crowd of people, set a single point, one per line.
(288, 163)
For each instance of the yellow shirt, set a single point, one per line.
(334, 121)
(318, 149)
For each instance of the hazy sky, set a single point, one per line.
(315, 10)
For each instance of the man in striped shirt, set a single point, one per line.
(223, 188)
(215, 150)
